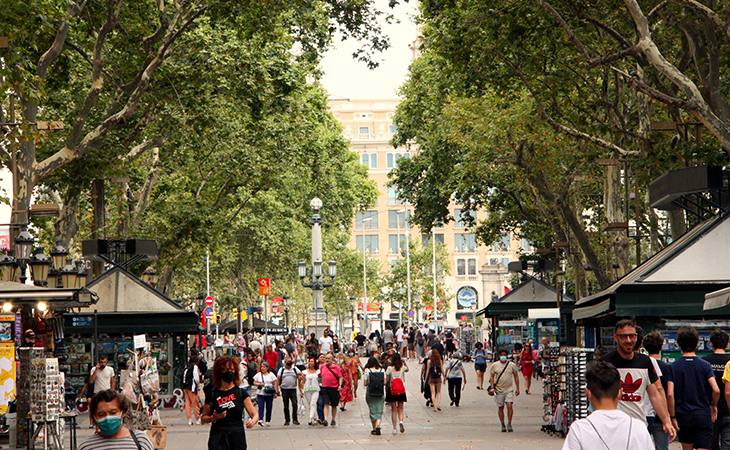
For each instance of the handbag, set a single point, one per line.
(269, 390)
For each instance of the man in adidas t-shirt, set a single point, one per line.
(639, 381)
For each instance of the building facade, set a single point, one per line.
(477, 272)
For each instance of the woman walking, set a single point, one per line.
(395, 394)
(480, 363)
(527, 361)
(300, 358)
(434, 369)
(224, 405)
(310, 389)
(454, 376)
(268, 389)
(420, 343)
(374, 382)
(353, 363)
(346, 389)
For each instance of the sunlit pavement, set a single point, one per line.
(473, 425)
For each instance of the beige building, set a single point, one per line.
(477, 271)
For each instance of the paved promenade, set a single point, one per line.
(474, 425)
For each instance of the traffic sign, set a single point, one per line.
(208, 311)
(209, 300)
(243, 315)
(411, 313)
(264, 286)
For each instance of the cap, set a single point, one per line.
(29, 334)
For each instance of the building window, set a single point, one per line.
(461, 267)
(389, 160)
(396, 241)
(398, 219)
(493, 261)
(502, 245)
(393, 129)
(426, 239)
(463, 217)
(465, 242)
(373, 161)
(369, 224)
(526, 245)
(392, 195)
(366, 160)
(472, 266)
(371, 243)
(505, 262)
(363, 130)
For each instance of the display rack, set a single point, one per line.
(564, 391)
(467, 339)
(25, 387)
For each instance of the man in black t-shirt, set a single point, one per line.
(411, 340)
(718, 359)
(360, 339)
(653, 343)
(639, 381)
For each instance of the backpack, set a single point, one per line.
(420, 341)
(434, 371)
(397, 387)
(376, 383)
(253, 367)
(187, 377)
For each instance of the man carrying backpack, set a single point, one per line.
(191, 386)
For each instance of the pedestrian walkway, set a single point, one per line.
(474, 425)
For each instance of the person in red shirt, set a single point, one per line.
(332, 381)
(271, 356)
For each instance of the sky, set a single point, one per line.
(348, 78)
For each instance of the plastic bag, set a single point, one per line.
(301, 410)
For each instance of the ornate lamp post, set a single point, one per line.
(39, 266)
(23, 247)
(316, 278)
(286, 299)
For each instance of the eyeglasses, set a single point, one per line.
(626, 336)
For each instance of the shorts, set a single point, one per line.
(411, 347)
(500, 398)
(721, 432)
(481, 367)
(402, 344)
(330, 396)
(695, 429)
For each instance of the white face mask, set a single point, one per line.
(503, 359)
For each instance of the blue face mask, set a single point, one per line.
(109, 425)
(503, 359)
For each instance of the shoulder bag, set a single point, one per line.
(490, 389)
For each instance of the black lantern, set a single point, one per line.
(68, 275)
(80, 274)
(23, 244)
(39, 265)
(9, 267)
(58, 254)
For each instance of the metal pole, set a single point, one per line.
(266, 323)
(400, 303)
(96, 338)
(433, 269)
(207, 285)
(408, 265)
(365, 281)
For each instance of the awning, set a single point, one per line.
(543, 313)
(25, 294)
(592, 310)
(717, 299)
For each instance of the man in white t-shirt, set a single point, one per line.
(325, 343)
(606, 427)
(399, 339)
(102, 376)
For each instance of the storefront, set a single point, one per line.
(664, 293)
(530, 311)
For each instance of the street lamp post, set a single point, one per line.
(433, 268)
(408, 261)
(352, 313)
(317, 279)
(381, 317)
(365, 276)
(286, 299)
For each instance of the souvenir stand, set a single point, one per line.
(564, 394)
(467, 339)
(141, 386)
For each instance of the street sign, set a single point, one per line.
(208, 311)
(411, 313)
(243, 315)
(209, 300)
(264, 286)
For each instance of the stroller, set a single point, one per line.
(425, 388)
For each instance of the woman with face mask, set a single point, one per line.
(224, 405)
(268, 389)
(355, 367)
(106, 411)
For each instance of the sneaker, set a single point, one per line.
(333, 423)
(286, 424)
(198, 422)
(504, 429)
(509, 427)
(395, 431)
(190, 422)
(324, 423)
(373, 432)
(402, 428)
(377, 431)
(296, 422)
(268, 424)
(261, 423)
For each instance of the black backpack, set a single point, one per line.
(435, 371)
(376, 384)
(187, 378)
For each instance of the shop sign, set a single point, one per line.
(512, 323)
(466, 297)
(82, 321)
(140, 341)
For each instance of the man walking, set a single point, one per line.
(639, 380)
(388, 337)
(325, 343)
(691, 409)
(102, 377)
(399, 335)
(653, 343)
(718, 360)
(505, 384)
(289, 377)
(332, 381)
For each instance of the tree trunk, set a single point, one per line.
(68, 223)
(677, 223)
(614, 201)
(164, 282)
(97, 218)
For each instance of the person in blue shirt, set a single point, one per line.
(691, 410)
(480, 363)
